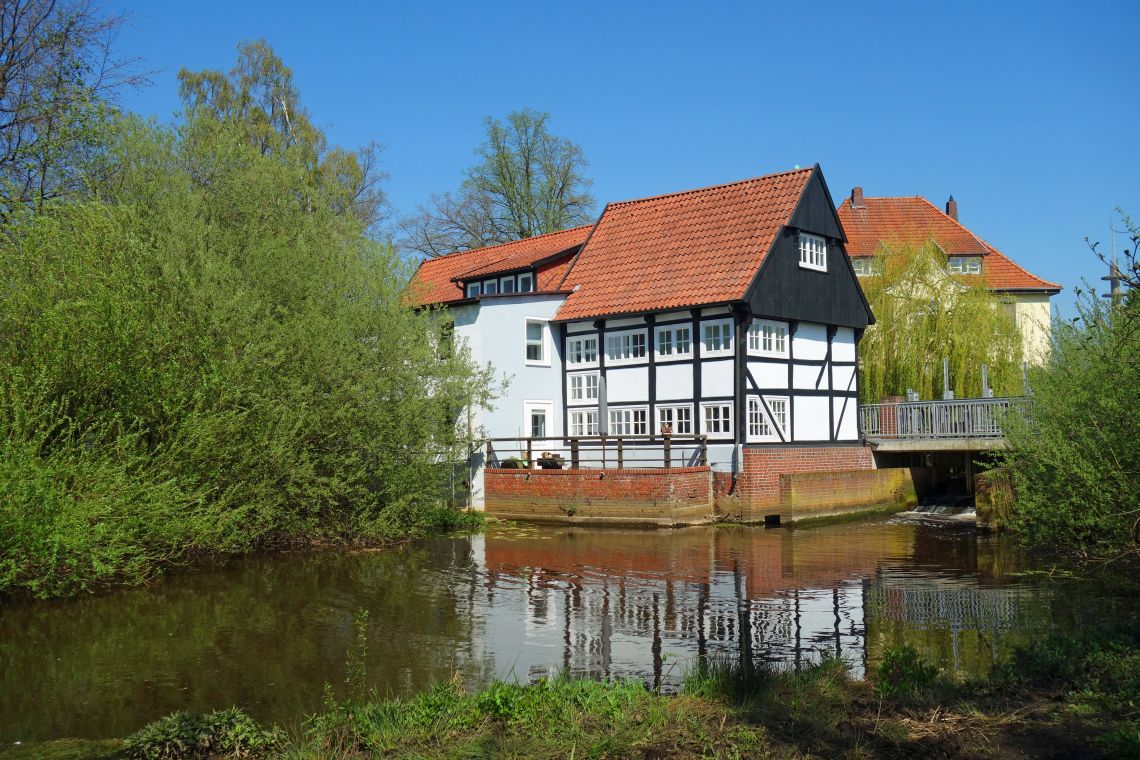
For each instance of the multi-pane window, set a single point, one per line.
(538, 423)
(625, 346)
(582, 350)
(526, 282)
(473, 289)
(813, 252)
(768, 338)
(716, 419)
(674, 341)
(583, 387)
(678, 418)
(965, 264)
(761, 426)
(536, 341)
(629, 421)
(584, 422)
(716, 337)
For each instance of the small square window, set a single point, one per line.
(526, 282)
(813, 252)
(581, 350)
(490, 287)
(674, 341)
(507, 285)
(716, 419)
(679, 419)
(584, 422)
(473, 289)
(768, 338)
(716, 337)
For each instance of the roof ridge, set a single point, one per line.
(708, 187)
(509, 242)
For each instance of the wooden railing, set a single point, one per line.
(622, 452)
(959, 418)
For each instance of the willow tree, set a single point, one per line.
(924, 313)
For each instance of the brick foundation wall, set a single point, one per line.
(768, 483)
(674, 496)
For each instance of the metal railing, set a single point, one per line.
(959, 418)
(622, 452)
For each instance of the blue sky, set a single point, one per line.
(1026, 112)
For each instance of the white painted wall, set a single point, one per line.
(809, 418)
(841, 377)
(810, 341)
(626, 385)
(846, 429)
(804, 377)
(769, 375)
(674, 381)
(716, 378)
(843, 345)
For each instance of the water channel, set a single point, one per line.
(268, 633)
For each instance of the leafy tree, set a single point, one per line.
(58, 79)
(527, 182)
(1074, 450)
(924, 313)
(259, 98)
(211, 356)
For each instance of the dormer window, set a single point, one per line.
(490, 287)
(813, 252)
(526, 282)
(965, 264)
(473, 289)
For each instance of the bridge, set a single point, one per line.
(932, 426)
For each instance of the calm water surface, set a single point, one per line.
(269, 633)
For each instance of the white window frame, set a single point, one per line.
(490, 287)
(477, 287)
(547, 407)
(765, 337)
(544, 360)
(761, 425)
(581, 423)
(964, 264)
(570, 350)
(528, 278)
(721, 325)
(510, 279)
(674, 417)
(627, 422)
(584, 384)
(724, 419)
(813, 252)
(674, 353)
(627, 351)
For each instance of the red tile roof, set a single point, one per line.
(684, 249)
(913, 220)
(434, 282)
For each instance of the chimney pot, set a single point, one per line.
(856, 197)
(952, 208)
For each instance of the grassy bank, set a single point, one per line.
(1061, 697)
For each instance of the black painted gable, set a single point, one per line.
(783, 289)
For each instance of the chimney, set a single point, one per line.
(856, 197)
(952, 208)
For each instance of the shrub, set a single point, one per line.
(187, 736)
(903, 672)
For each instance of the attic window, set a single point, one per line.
(965, 264)
(473, 289)
(813, 252)
(526, 282)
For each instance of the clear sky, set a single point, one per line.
(1026, 112)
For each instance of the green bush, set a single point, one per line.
(904, 673)
(186, 736)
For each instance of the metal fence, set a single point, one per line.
(965, 418)
(622, 452)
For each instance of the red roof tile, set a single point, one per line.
(434, 283)
(913, 220)
(684, 249)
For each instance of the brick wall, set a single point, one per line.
(674, 496)
(758, 491)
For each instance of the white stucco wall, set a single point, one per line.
(1033, 316)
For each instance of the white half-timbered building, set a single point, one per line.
(730, 311)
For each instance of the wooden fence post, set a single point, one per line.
(529, 453)
(668, 452)
(574, 460)
(704, 451)
(621, 457)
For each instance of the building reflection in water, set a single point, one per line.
(648, 604)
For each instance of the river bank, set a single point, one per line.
(1061, 696)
